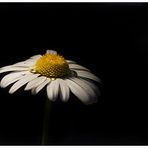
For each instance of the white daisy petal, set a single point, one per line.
(85, 86)
(22, 64)
(41, 86)
(26, 63)
(88, 89)
(51, 51)
(11, 78)
(6, 67)
(56, 88)
(50, 91)
(70, 62)
(35, 82)
(93, 86)
(36, 57)
(11, 68)
(53, 89)
(79, 67)
(22, 82)
(33, 91)
(78, 91)
(88, 75)
(65, 92)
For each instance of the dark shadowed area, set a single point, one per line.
(111, 39)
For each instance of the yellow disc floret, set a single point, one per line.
(52, 66)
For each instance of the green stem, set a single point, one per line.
(46, 122)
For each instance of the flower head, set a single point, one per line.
(60, 76)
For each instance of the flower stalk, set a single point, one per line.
(46, 124)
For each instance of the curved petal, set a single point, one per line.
(23, 64)
(50, 91)
(70, 62)
(11, 68)
(11, 78)
(27, 63)
(53, 90)
(36, 56)
(78, 91)
(35, 82)
(93, 86)
(41, 86)
(22, 82)
(87, 88)
(88, 75)
(78, 67)
(64, 90)
(56, 88)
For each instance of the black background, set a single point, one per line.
(111, 39)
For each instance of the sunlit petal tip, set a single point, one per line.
(10, 92)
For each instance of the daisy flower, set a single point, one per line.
(59, 76)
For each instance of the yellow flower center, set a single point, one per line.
(52, 66)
